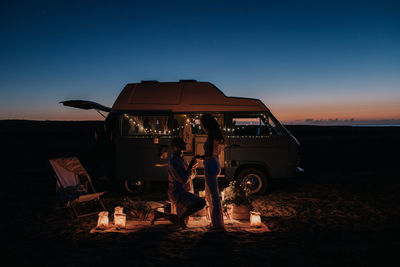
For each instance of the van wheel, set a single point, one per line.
(136, 187)
(254, 180)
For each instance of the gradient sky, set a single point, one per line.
(303, 59)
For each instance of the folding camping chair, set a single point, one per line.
(74, 183)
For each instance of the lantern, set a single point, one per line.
(120, 220)
(118, 210)
(102, 222)
(255, 219)
(119, 217)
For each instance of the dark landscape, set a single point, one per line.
(343, 211)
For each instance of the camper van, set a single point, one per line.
(147, 115)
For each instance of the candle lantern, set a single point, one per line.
(120, 220)
(119, 217)
(118, 210)
(102, 222)
(255, 219)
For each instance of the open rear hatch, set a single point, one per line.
(84, 104)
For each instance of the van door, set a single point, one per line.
(254, 140)
(188, 127)
(142, 147)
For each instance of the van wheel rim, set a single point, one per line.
(134, 186)
(253, 183)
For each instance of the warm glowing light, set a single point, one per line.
(118, 210)
(102, 222)
(120, 220)
(202, 193)
(255, 219)
(119, 217)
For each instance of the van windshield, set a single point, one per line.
(253, 125)
(144, 125)
(271, 124)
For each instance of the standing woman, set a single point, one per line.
(212, 148)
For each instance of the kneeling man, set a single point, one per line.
(180, 187)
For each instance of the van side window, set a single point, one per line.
(185, 122)
(188, 127)
(144, 125)
(181, 123)
(196, 125)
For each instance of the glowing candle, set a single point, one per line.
(120, 220)
(118, 210)
(255, 219)
(102, 222)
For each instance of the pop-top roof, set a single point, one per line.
(183, 96)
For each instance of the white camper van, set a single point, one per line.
(147, 115)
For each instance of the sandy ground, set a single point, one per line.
(194, 225)
(346, 215)
(311, 225)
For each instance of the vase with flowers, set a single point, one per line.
(238, 199)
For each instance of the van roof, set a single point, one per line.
(182, 96)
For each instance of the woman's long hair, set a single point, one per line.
(212, 127)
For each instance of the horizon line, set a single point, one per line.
(327, 122)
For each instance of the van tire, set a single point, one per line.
(255, 180)
(136, 187)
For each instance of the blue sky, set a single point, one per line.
(304, 59)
